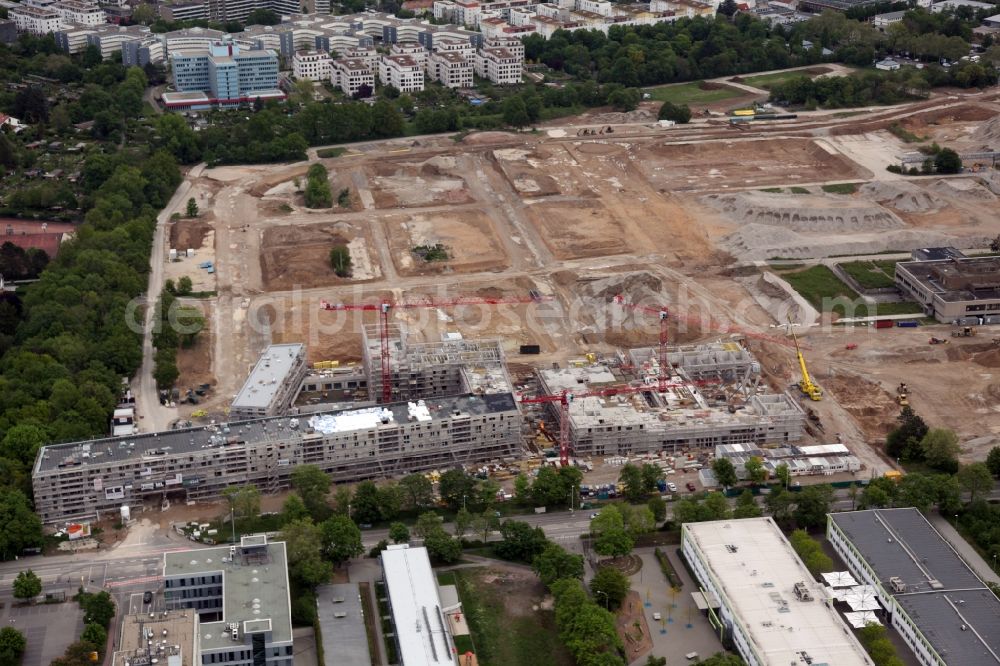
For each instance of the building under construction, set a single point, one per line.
(711, 398)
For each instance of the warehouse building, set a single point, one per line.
(943, 611)
(769, 605)
(241, 596)
(952, 288)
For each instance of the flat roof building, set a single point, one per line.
(943, 611)
(226, 74)
(422, 634)
(769, 604)
(241, 595)
(954, 288)
(167, 637)
(342, 623)
(273, 383)
(351, 74)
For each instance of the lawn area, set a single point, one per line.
(869, 274)
(819, 286)
(504, 636)
(692, 93)
(765, 81)
(841, 188)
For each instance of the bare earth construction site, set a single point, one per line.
(682, 217)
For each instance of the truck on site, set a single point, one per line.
(807, 386)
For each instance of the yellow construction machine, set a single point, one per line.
(808, 387)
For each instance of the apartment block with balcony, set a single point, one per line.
(350, 74)
(312, 65)
(401, 72)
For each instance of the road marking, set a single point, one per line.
(135, 581)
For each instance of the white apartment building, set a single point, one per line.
(414, 50)
(499, 65)
(349, 74)
(401, 72)
(451, 68)
(512, 44)
(312, 65)
(80, 11)
(35, 19)
(368, 54)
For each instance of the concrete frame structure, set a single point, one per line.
(242, 598)
(312, 65)
(350, 74)
(953, 288)
(770, 606)
(422, 634)
(683, 417)
(942, 609)
(273, 383)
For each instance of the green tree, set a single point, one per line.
(625, 99)
(442, 548)
(993, 461)
(722, 659)
(638, 520)
(812, 505)
(399, 533)
(427, 523)
(484, 523)
(610, 585)
(780, 503)
(303, 549)
(184, 286)
(879, 493)
(77, 654)
(456, 488)
(340, 538)
(716, 506)
(940, 448)
(27, 585)
(634, 487)
(679, 113)
(783, 474)
(520, 542)
(917, 490)
(21, 443)
(755, 470)
(976, 479)
(19, 527)
(12, 646)
(462, 522)
(614, 541)
(98, 608)
(904, 441)
(293, 509)
(244, 501)
(515, 113)
(312, 485)
(95, 634)
(365, 506)
(390, 501)
(746, 506)
(418, 491)
(340, 260)
(555, 562)
(658, 507)
(947, 161)
(192, 208)
(724, 472)
(318, 193)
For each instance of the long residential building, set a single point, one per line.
(84, 479)
(769, 605)
(945, 613)
(273, 383)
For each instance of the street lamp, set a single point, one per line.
(605, 598)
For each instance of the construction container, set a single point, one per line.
(883, 323)
(744, 112)
(531, 349)
(908, 323)
(173, 254)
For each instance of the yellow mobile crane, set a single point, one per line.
(808, 388)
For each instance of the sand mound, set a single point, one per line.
(991, 181)
(804, 213)
(760, 241)
(905, 197)
(966, 188)
(989, 359)
(988, 134)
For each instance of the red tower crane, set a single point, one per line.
(384, 307)
(664, 315)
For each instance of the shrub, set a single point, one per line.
(340, 260)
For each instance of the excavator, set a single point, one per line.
(808, 387)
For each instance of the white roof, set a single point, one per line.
(273, 368)
(416, 607)
(754, 571)
(860, 619)
(840, 579)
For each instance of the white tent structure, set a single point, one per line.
(840, 579)
(860, 619)
(862, 600)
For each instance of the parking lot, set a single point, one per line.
(48, 628)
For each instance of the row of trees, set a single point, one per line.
(317, 193)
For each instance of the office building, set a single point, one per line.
(769, 605)
(402, 72)
(222, 75)
(351, 74)
(273, 383)
(168, 637)
(943, 611)
(452, 69)
(80, 12)
(312, 65)
(241, 596)
(499, 65)
(953, 288)
(37, 18)
(421, 631)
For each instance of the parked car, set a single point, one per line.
(690, 486)
(147, 597)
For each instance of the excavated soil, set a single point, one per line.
(873, 408)
(904, 197)
(804, 213)
(298, 256)
(578, 229)
(469, 238)
(405, 184)
(189, 234)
